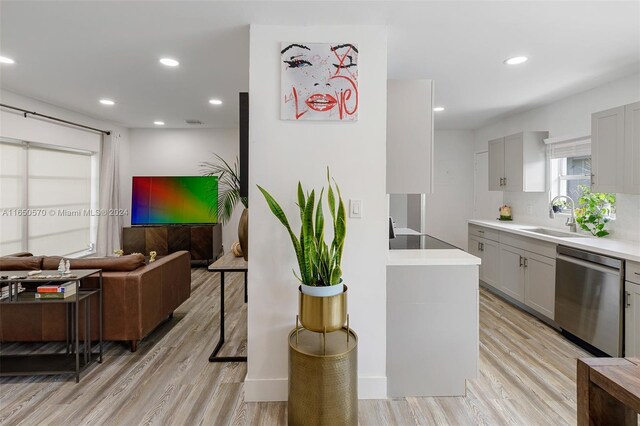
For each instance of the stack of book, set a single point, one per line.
(58, 291)
(5, 291)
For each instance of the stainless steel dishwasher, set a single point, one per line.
(589, 298)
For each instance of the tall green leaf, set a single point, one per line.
(282, 217)
(308, 236)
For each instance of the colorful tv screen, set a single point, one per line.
(174, 200)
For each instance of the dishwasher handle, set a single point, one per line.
(590, 265)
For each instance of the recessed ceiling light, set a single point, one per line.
(159, 123)
(438, 109)
(107, 102)
(215, 101)
(516, 60)
(5, 60)
(169, 62)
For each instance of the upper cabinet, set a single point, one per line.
(409, 136)
(615, 150)
(517, 163)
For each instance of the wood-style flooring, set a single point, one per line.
(527, 376)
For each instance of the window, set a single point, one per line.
(47, 197)
(570, 172)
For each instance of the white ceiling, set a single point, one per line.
(73, 53)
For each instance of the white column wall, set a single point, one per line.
(283, 152)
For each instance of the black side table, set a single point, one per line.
(73, 361)
(227, 263)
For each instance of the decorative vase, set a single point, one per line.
(323, 313)
(243, 232)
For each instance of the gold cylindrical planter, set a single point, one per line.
(321, 314)
(323, 378)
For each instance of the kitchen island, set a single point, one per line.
(432, 318)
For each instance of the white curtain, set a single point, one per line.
(109, 226)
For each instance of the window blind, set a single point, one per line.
(568, 147)
(46, 196)
(12, 172)
(59, 183)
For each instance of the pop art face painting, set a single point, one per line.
(319, 81)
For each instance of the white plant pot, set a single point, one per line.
(323, 291)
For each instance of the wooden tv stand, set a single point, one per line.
(204, 242)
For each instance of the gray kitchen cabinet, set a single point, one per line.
(496, 164)
(512, 272)
(632, 320)
(615, 150)
(632, 310)
(632, 148)
(517, 163)
(488, 251)
(540, 283)
(409, 136)
(491, 263)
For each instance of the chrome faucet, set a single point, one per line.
(571, 221)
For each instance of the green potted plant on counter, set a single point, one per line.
(322, 292)
(594, 211)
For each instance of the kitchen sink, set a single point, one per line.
(552, 233)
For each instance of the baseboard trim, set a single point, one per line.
(372, 387)
(268, 390)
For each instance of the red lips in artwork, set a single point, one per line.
(321, 102)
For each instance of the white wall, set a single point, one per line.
(569, 116)
(283, 152)
(451, 203)
(179, 152)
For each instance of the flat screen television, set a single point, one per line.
(174, 200)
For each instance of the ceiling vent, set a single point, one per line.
(193, 122)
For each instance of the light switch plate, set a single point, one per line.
(355, 209)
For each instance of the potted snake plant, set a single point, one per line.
(322, 299)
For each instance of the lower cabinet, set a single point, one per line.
(512, 272)
(632, 320)
(520, 267)
(489, 252)
(529, 278)
(540, 283)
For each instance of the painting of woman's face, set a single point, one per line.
(319, 81)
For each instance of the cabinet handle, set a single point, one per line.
(592, 179)
(481, 246)
(628, 298)
(482, 232)
(478, 245)
(637, 273)
(526, 262)
(521, 261)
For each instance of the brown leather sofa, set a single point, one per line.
(136, 298)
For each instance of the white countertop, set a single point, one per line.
(431, 257)
(405, 231)
(624, 249)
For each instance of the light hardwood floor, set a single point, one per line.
(527, 376)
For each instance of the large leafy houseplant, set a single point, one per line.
(319, 263)
(228, 186)
(594, 209)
